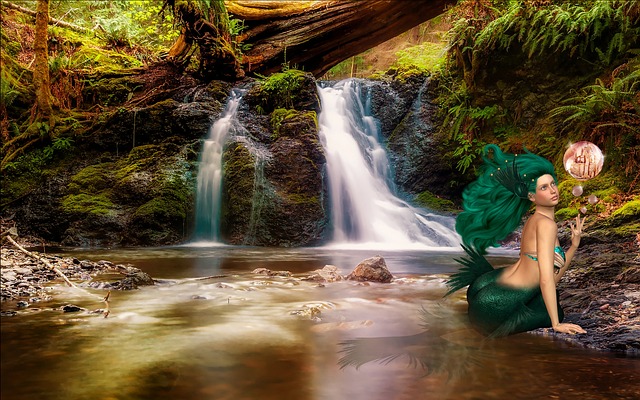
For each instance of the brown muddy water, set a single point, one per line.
(213, 330)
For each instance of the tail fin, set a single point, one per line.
(473, 266)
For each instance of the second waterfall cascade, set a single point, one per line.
(209, 193)
(365, 210)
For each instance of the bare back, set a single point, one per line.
(525, 272)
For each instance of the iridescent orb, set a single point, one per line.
(593, 199)
(583, 210)
(577, 190)
(583, 160)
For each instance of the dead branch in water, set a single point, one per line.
(13, 231)
(45, 262)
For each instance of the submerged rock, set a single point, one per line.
(372, 269)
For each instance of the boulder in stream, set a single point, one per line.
(373, 269)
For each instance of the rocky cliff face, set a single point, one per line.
(131, 180)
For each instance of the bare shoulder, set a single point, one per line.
(543, 224)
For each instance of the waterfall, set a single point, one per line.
(365, 211)
(209, 192)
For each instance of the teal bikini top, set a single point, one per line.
(558, 258)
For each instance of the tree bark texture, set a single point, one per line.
(41, 81)
(316, 35)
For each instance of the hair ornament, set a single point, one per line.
(510, 179)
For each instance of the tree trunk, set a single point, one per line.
(316, 35)
(209, 29)
(41, 81)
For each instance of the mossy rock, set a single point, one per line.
(629, 212)
(92, 179)
(591, 187)
(290, 89)
(429, 200)
(566, 213)
(293, 123)
(237, 191)
(87, 204)
(110, 92)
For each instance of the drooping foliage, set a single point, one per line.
(600, 31)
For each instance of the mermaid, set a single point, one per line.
(523, 296)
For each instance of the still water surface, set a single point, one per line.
(214, 330)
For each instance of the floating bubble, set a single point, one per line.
(593, 199)
(583, 160)
(577, 190)
(583, 210)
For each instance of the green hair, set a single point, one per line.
(492, 207)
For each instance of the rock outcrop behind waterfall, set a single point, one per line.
(130, 180)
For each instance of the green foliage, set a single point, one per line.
(8, 92)
(601, 28)
(280, 90)
(464, 125)
(608, 114)
(426, 57)
(599, 31)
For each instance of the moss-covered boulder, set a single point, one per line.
(142, 198)
(290, 89)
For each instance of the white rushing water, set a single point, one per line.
(365, 210)
(209, 194)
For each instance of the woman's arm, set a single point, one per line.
(576, 233)
(546, 235)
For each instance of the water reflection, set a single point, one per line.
(440, 348)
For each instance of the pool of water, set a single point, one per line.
(214, 330)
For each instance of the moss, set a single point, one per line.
(161, 208)
(628, 212)
(566, 213)
(429, 200)
(110, 91)
(296, 198)
(281, 90)
(92, 179)
(629, 230)
(87, 204)
(603, 186)
(304, 122)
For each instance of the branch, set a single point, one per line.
(38, 258)
(52, 21)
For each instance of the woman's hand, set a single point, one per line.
(576, 230)
(571, 329)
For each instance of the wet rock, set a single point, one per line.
(71, 308)
(372, 269)
(265, 271)
(329, 273)
(310, 313)
(8, 313)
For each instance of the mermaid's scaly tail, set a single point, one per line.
(472, 267)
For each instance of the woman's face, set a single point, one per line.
(546, 192)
